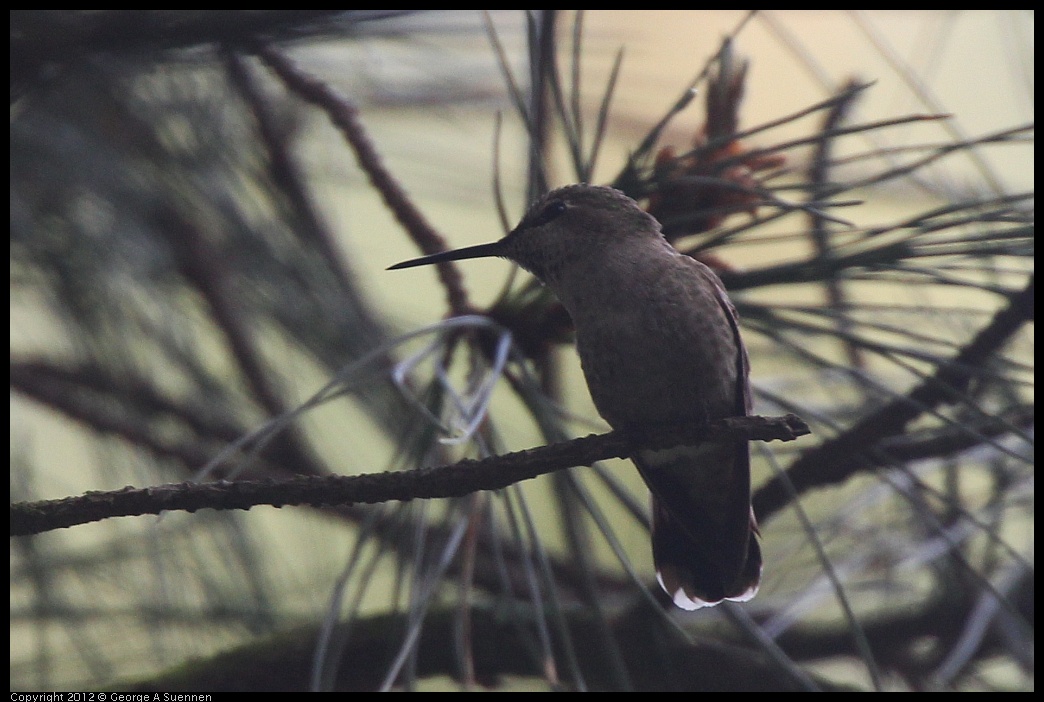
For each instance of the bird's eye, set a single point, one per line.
(551, 211)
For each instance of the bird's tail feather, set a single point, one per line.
(704, 533)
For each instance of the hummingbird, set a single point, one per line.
(659, 345)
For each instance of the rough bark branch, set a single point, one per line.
(461, 478)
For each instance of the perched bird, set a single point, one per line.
(659, 345)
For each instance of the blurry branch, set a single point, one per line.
(49, 38)
(820, 190)
(345, 117)
(850, 452)
(283, 168)
(201, 264)
(543, 52)
(459, 479)
(89, 395)
(53, 35)
(502, 646)
(135, 410)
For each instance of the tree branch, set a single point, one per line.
(455, 480)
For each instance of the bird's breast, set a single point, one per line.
(660, 349)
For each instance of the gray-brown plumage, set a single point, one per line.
(659, 344)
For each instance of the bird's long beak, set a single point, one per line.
(495, 248)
